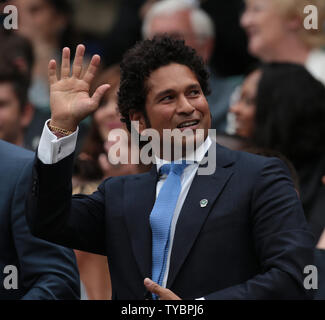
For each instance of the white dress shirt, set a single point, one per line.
(315, 64)
(51, 150)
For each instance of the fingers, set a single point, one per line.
(162, 293)
(65, 66)
(52, 72)
(92, 68)
(78, 61)
(323, 180)
(153, 287)
(100, 91)
(77, 64)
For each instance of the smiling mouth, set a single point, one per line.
(188, 124)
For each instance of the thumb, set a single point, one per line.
(100, 91)
(152, 286)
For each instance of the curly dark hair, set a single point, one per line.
(290, 112)
(144, 58)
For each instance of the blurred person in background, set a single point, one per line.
(230, 56)
(105, 119)
(91, 168)
(125, 32)
(319, 253)
(17, 50)
(44, 271)
(243, 109)
(48, 25)
(277, 33)
(184, 19)
(282, 107)
(15, 111)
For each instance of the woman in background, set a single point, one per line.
(276, 33)
(282, 107)
(47, 24)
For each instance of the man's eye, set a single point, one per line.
(194, 92)
(167, 98)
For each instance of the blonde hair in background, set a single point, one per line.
(313, 38)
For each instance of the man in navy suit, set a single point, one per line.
(30, 268)
(238, 233)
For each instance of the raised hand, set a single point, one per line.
(69, 96)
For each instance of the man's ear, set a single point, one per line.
(139, 116)
(27, 115)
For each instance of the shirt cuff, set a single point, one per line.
(200, 298)
(51, 149)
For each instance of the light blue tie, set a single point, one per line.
(161, 218)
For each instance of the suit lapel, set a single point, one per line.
(141, 195)
(193, 216)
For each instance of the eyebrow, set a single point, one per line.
(169, 91)
(163, 93)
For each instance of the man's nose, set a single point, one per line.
(184, 106)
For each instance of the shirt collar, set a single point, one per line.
(195, 157)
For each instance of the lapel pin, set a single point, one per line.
(204, 203)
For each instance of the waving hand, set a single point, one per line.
(69, 96)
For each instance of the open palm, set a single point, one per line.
(69, 96)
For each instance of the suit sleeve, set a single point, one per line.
(282, 240)
(47, 271)
(53, 214)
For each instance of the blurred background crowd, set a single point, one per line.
(267, 79)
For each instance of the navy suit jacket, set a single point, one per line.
(45, 270)
(250, 242)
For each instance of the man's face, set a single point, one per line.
(10, 114)
(175, 100)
